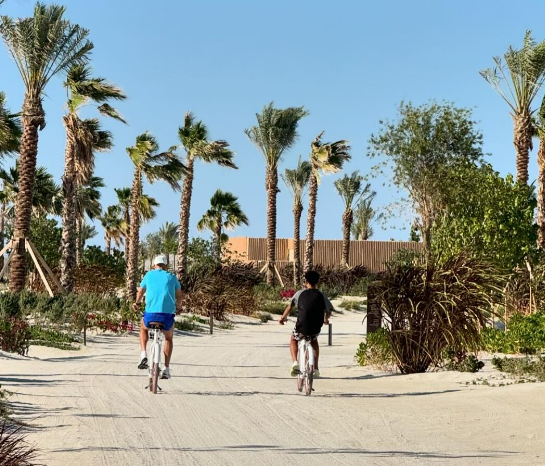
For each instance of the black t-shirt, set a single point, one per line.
(312, 306)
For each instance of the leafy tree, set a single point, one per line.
(115, 261)
(274, 134)
(224, 212)
(351, 190)
(114, 227)
(364, 217)
(326, 158)
(421, 147)
(151, 246)
(45, 233)
(168, 234)
(518, 81)
(42, 46)
(490, 216)
(296, 181)
(194, 138)
(84, 137)
(154, 165)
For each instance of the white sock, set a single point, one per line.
(143, 355)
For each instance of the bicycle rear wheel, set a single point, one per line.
(154, 369)
(309, 375)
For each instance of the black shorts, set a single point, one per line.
(299, 336)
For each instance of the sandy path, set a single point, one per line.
(232, 402)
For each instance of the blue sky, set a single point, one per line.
(349, 62)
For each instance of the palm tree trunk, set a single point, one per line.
(2, 229)
(68, 240)
(108, 242)
(541, 194)
(79, 241)
(311, 219)
(522, 140)
(348, 217)
(128, 234)
(218, 239)
(271, 184)
(297, 211)
(185, 209)
(132, 269)
(33, 118)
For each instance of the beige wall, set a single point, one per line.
(371, 254)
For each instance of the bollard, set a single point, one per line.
(211, 323)
(330, 336)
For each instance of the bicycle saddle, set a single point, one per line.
(156, 325)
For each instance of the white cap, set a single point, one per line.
(161, 259)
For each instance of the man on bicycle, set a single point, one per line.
(162, 290)
(314, 311)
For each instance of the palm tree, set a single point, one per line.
(10, 129)
(364, 216)
(327, 158)
(276, 132)
(194, 138)
(114, 227)
(351, 191)
(86, 204)
(154, 166)
(518, 81)
(148, 205)
(83, 139)
(86, 233)
(10, 138)
(169, 239)
(296, 181)
(42, 46)
(224, 212)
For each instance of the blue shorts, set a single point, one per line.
(167, 319)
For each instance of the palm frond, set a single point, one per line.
(297, 179)
(275, 132)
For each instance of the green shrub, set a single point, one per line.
(376, 351)
(9, 305)
(360, 287)
(14, 449)
(435, 305)
(276, 308)
(524, 334)
(226, 325)
(266, 292)
(351, 305)
(14, 335)
(187, 325)
(461, 361)
(265, 317)
(521, 366)
(45, 337)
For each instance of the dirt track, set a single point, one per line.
(232, 402)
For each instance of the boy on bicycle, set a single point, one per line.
(314, 311)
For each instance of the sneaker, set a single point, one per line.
(316, 374)
(143, 363)
(165, 373)
(295, 369)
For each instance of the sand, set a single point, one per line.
(231, 401)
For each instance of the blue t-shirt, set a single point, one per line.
(160, 287)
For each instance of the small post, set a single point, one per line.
(85, 332)
(330, 335)
(211, 323)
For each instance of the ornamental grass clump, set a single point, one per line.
(432, 306)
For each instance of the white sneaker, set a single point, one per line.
(143, 364)
(165, 373)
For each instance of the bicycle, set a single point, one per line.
(157, 338)
(305, 357)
